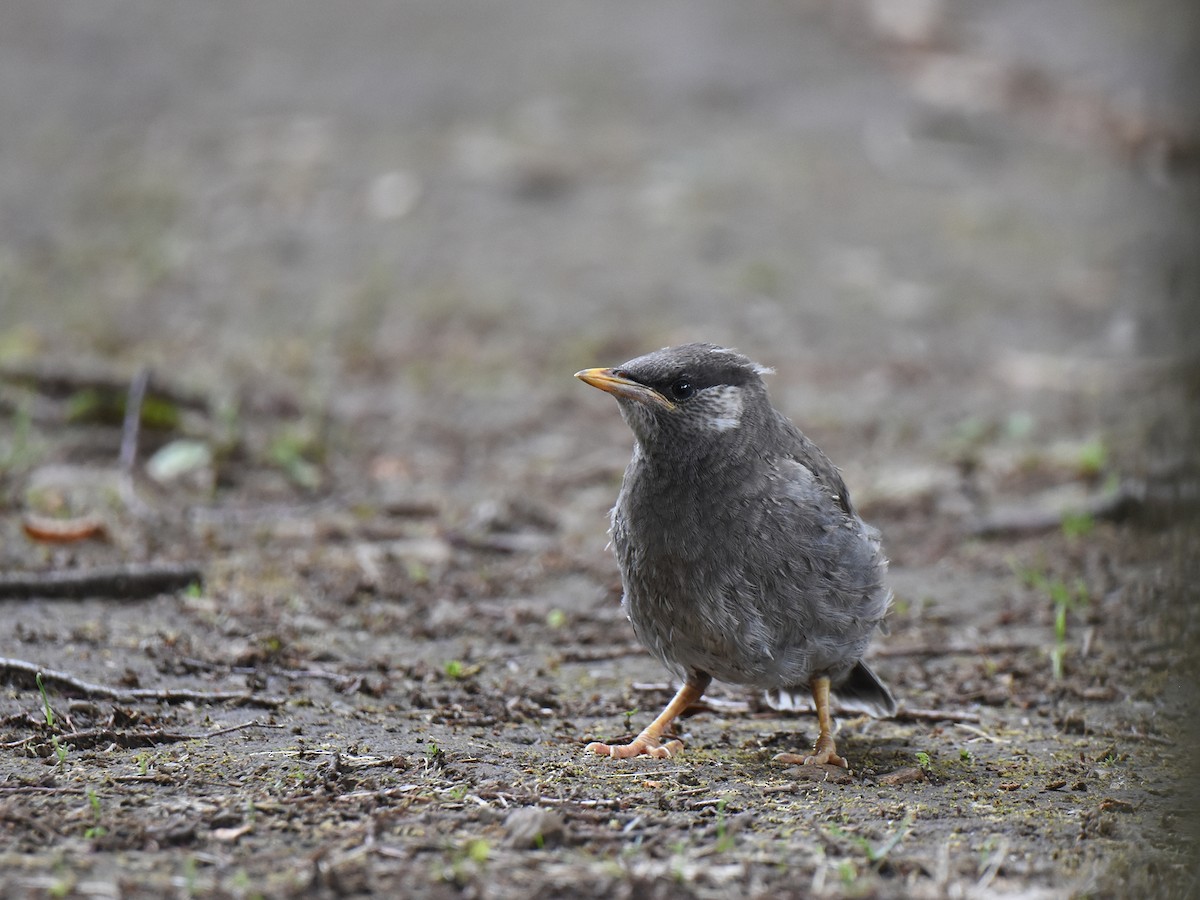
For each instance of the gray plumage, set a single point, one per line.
(741, 554)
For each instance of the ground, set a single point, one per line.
(361, 250)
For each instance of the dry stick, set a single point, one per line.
(130, 429)
(935, 715)
(56, 378)
(133, 419)
(131, 581)
(891, 651)
(1126, 500)
(129, 695)
(132, 739)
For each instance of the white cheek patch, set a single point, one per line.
(723, 408)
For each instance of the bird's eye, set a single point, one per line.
(681, 388)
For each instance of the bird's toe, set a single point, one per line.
(638, 747)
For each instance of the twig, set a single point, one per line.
(906, 714)
(130, 695)
(34, 788)
(891, 651)
(1127, 499)
(54, 377)
(230, 728)
(981, 733)
(992, 867)
(131, 739)
(598, 654)
(125, 582)
(133, 420)
(130, 429)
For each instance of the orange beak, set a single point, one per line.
(620, 386)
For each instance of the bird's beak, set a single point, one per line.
(620, 386)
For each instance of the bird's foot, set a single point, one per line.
(824, 758)
(639, 746)
(824, 754)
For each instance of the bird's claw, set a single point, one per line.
(825, 758)
(639, 746)
(824, 754)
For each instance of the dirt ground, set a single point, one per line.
(361, 250)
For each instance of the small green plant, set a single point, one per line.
(242, 882)
(19, 452)
(964, 754)
(922, 759)
(1092, 458)
(478, 850)
(96, 829)
(1078, 524)
(556, 619)
(59, 750)
(724, 836)
(1064, 598)
(679, 864)
(847, 873)
(293, 452)
(142, 761)
(49, 713)
(629, 714)
(457, 669)
(62, 887)
(876, 855)
(190, 871)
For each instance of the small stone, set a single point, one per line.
(532, 827)
(906, 775)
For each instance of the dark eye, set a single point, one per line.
(681, 388)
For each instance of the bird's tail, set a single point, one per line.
(862, 691)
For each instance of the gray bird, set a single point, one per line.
(741, 556)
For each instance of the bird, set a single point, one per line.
(742, 557)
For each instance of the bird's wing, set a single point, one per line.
(809, 455)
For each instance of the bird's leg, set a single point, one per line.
(648, 742)
(825, 751)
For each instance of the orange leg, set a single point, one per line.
(648, 742)
(825, 751)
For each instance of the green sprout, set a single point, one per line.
(96, 830)
(45, 700)
(1078, 524)
(724, 836)
(478, 850)
(876, 854)
(1092, 458)
(1064, 597)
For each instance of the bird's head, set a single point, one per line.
(687, 400)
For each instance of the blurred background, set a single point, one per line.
(369, 246)
(364, 250)
(919, 197)
(363, 247)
